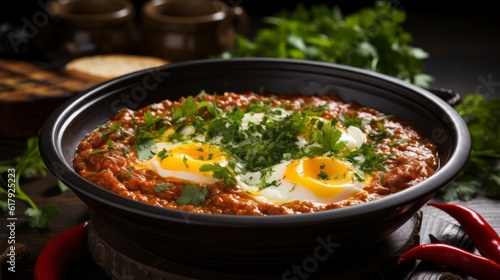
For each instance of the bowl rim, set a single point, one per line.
(51, 152)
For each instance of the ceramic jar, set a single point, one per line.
(180, 30)
(85, 27)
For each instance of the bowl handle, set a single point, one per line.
(451, 97)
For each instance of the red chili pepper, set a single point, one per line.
(471, 264)
(484, 237)
(55, 258)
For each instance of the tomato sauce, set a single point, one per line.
(106, 157)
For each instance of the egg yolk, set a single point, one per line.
(325, 177)
(190, 157)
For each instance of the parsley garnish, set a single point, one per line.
(162, 154)
(223, 173)
(347, 121)
(367, 158)
(162, 187)
(381, 134)
(193, 195)
(481, 173)
(145, 135)
(125, 152)
(323, 176)
(397, 142)
(189, 107)
(328, 137)
(265, 141)
(111, 145)
(145, 149)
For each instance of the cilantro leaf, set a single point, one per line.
(145, 149)
(328, 137)
(161, 187)
(481, 173)
(492, 188)
(348, 39)
(28, 165)
(162, 154)
(463, 189)
(193, 195)
(367, 158)
(152, 128)
(189, 107)
(223, 173)
(40, 218)
(351, 121)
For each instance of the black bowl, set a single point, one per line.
(248, 243)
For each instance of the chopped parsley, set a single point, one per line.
(323, 176)
(381, 134)
(328, 137)
(192, 195)
(145, 135)
(367, 159)
(223, 173)
(255, 138)
(161, 187)
(352, 121)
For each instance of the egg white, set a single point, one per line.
(270, 185)
(283, 190)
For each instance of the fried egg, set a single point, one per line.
(316, 179)
(319, 180)
(183, 161)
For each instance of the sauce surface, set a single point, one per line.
(118, 155)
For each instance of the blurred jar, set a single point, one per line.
(87, 27)
(180, 30)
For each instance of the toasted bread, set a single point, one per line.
(99, 68)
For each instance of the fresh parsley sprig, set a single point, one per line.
(265, 139)
(224, 173)
(328, 137)
(193, 195)
(372, 38)
(145, 135)
(28, 165)
(482, 171)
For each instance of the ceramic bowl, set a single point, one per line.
(260, 243)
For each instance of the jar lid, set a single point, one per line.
(91, 12)
(183, 12)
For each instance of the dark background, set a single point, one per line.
(462, 38)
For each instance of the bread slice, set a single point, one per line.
(99, 68)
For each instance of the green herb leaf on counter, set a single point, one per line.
(482, 172)
(28, 165)
(371, 38)
(41, 218)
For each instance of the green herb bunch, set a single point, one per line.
(371, 38)
(262, 143)
(28, 165)
(482, 172)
